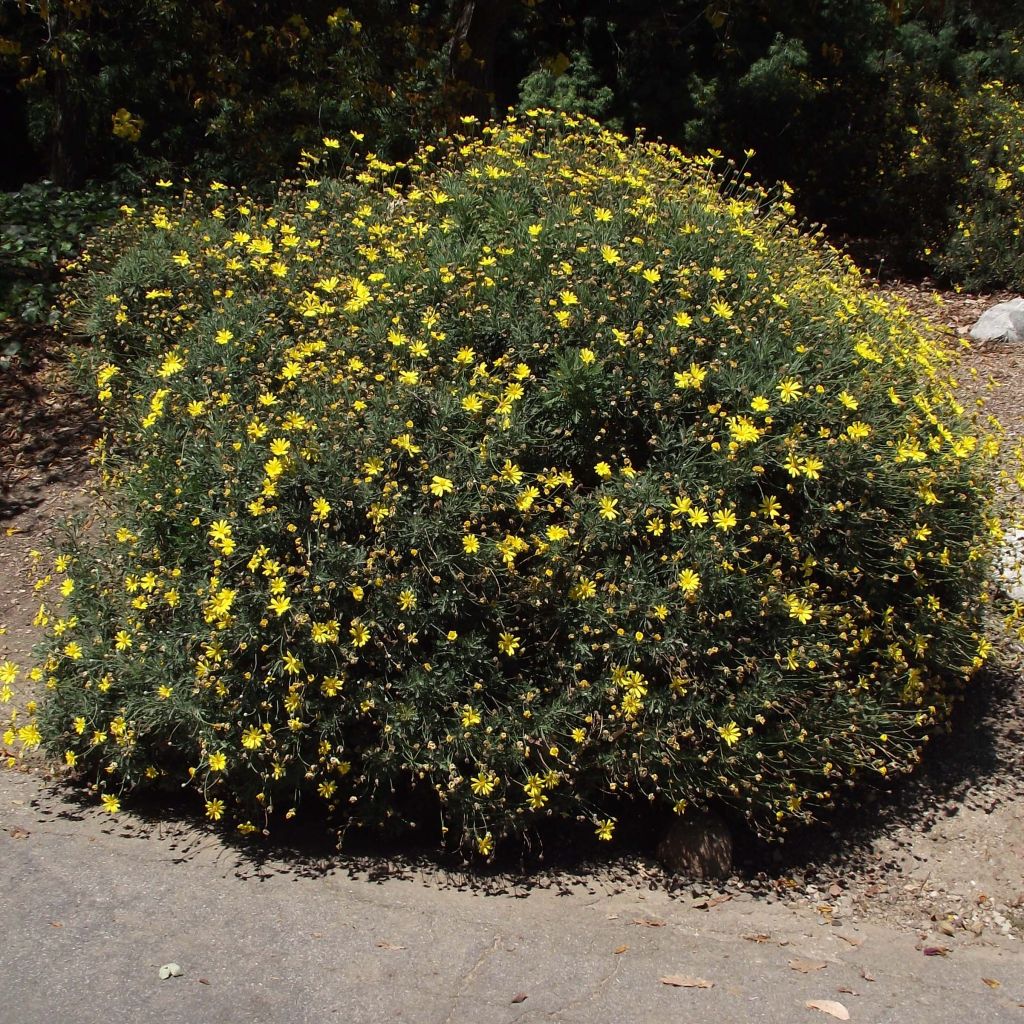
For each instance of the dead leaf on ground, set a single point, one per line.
(758, 937)
(866, 974)
(649, 922)
(992, 983)
(519, 997)
(204, 981)
(388, 945)
(936, 950)
(829, 1006)
(846, 990)
(620, 949)
(685, 981)
(851, 940)
(719, 900)
(807, 966)
(19, 833)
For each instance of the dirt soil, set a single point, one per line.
(942, 855)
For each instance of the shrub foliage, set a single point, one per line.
(568, 475)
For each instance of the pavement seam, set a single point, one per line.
(470, 974)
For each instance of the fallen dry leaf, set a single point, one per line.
(806, 966)
(935, 950)
(991, 982)
(204, 981)
(519, 997)
(851, 940)
(19, 833)
(829, 1006)
(758, 937)
(685, 981)
(620, 949)
(56, 924)
(719, 900)
(866, 974)
(388, 945)
(846, 990)
(649, 922)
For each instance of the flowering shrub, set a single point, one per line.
(986, 245)
(565, 475)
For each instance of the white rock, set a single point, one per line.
(1003, 322)
(1009, 565)
(170, 971)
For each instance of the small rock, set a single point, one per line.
(170, 971)
(1004, 322)
(699, 846)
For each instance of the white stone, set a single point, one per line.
(1010, 565)
(1003, 322)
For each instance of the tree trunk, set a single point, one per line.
(67, 143)
(472, 50)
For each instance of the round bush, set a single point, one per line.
(564, 477)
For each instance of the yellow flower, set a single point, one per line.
(171, 365)
(725, 519)
(279, 605)
(485, 844)
(440, 485)
(406, 600)
(610, 255)
(359, 633)
(111, 804)
(218, 762)
(484, 783)
(730, 733)
(790, 390)
(605, 829)
(509, 643)
(812, 467)
(800, 610)
(122, 640)
(215, 809)
(252, 738)
(689, 582)
(470, 717)
(222, 337)
(696, 516)
(607, 508)
(470, 544)
(511, 473)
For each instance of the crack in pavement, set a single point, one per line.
(470, 974)
(582, 1000)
